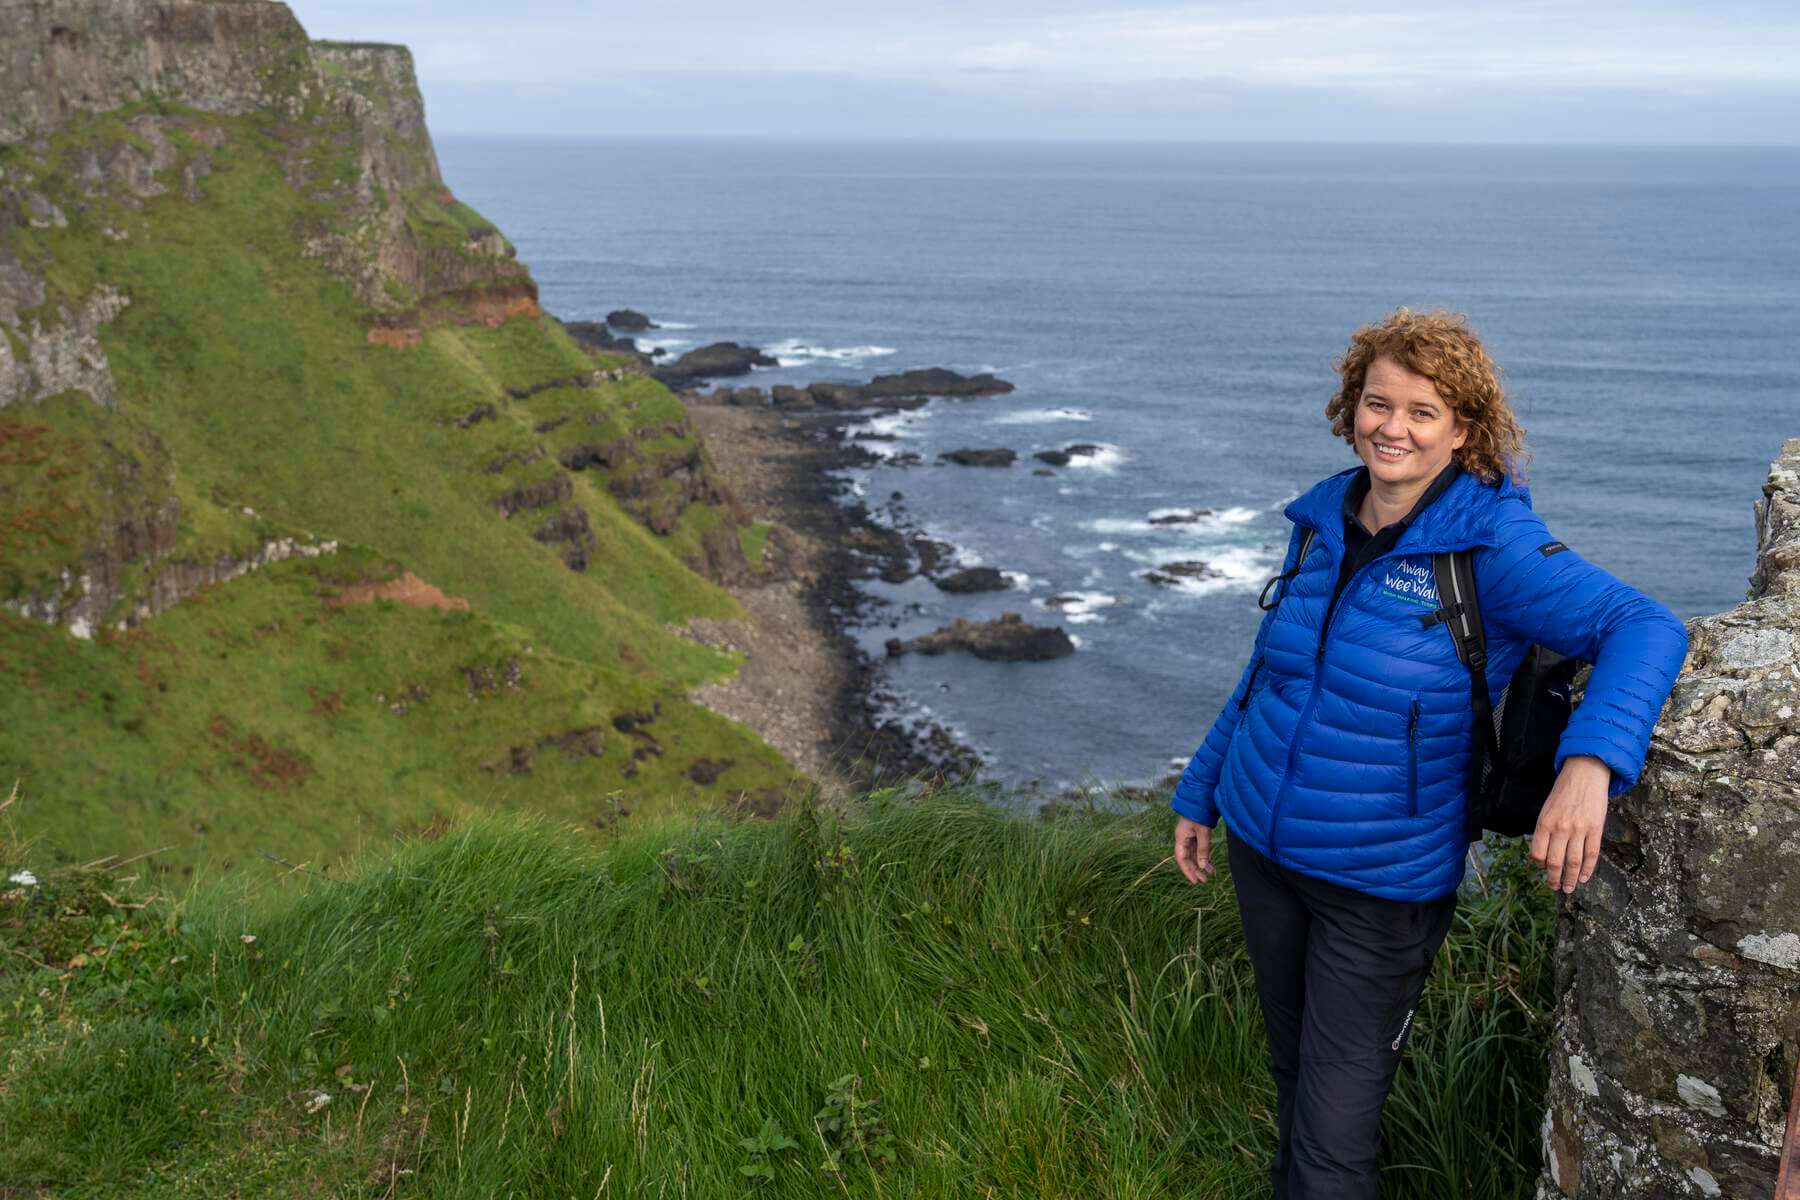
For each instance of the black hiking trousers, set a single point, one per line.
(1339, 974)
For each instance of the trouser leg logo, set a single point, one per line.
(1404, 1026)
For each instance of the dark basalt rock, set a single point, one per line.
(569, 528)
(786, 395)
(706, 771)
(997, 457)
(630, 320)
(476, 415)
(1185, 516)
(718, 359)
(1168, 574)
(1082, 450)
(596, 336)
(541, 494)
(973, 579)
(1009, 639)
(934, 381)
(1055, 458)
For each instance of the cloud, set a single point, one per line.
(1648, 69)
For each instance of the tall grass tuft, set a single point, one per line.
(929, 997)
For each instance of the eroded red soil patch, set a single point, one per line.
(407, 589)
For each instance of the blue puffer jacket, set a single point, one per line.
(1344, 754)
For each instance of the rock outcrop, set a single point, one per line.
(1009, 639)
(64, 57)
(1678, 965)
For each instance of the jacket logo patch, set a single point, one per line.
(1549, 548)
(1412, 581)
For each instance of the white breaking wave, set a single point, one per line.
(1202, 522)
(1018, 580)
(1042, 416)
(672, 345)
(874, 433)
(1107, 458)
(1240, 568)
(792, 352)
(673, 325)
(1078, 608)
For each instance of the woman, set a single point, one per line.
(1340, 762)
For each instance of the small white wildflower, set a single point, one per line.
(316, 1100)
(22, 878)
(246, 938)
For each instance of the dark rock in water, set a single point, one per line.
(1055, 458)
(1064, 601)
(630, 320)
(934, 381)
(596, 336)
(1082, 450)
(1181, 516)
(835, 395)
(744, 397)
(997, 457)
(1168, 574)
(973, 579)
(906, 458)
(1044, 471)
(720, 358)
(932, 553)
(786, 395)
(1009, 639)
(659, 352)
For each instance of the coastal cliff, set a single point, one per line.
(305, 506)
(1678, 966)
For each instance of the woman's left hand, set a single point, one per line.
(1567, 841)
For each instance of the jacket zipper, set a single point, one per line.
(1312, 696)
(1412, 760)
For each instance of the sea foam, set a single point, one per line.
(792, 352)
(1042, 416)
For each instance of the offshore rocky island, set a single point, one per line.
(317, 533)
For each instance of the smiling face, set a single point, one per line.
(1404, 431)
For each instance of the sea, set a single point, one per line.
(1179, 306)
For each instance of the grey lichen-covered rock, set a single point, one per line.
(1678, 966)
(62, 57)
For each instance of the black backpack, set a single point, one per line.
(1514, 761)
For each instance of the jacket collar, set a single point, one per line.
(1464, 516)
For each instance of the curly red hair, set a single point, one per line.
(1440, 346)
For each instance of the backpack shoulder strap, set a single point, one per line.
(1307, 534)
(1460, 610)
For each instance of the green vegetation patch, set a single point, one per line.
(923, 998)
(267, 715)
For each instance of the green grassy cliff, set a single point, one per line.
(264, 385)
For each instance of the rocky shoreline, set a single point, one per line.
(807, 686)
(781, 468)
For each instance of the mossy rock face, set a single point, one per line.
(255, 354)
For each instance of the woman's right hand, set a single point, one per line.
(1193, 849)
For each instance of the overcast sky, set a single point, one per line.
(1725, 72)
